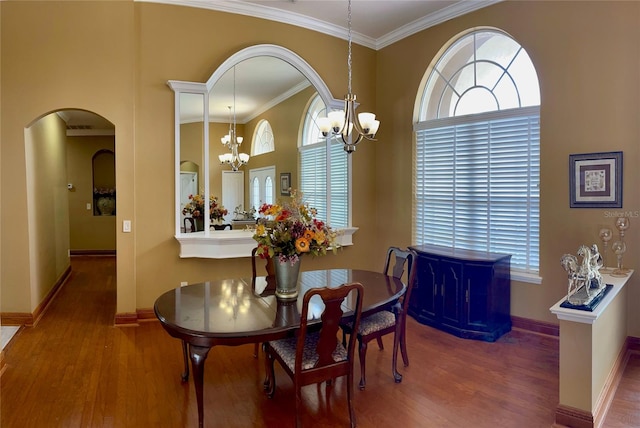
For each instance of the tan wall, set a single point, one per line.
(609, 336)
(47, 215)
(588, 65)
(61, 55)
(585, 56)
(88, 231)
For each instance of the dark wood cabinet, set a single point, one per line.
(466, 293)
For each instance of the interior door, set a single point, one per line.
(232, 192)
(262, 188)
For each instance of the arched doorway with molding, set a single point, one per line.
(60, 148)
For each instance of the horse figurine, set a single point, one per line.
(586, 273)
(570, 264)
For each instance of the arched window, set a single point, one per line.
(255, 203)
(268, 190)
(478, 150)
(262, 139)
(324, 169)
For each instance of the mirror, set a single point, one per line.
(191, 154)
(264, 82)
(256, 90)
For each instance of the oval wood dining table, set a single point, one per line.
(240, 311)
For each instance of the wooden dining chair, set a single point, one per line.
(385, 322)
(189, 225)
(313, 355)
(226, 226)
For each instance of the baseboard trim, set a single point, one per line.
(126, 319)
(535, 326)
(92, 252)
(42, 307)
(31, 320)
(133, 319)
(16, 319)
(571, 417)
(2, 363)
(146, 315)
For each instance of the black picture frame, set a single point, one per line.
(285, 184)
(595, 180)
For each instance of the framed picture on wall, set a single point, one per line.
(285, 184)
(595, 180)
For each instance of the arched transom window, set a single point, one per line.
(263, 141)
(481, 72)
(477, 169)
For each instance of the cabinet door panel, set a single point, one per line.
(423, 296)
(451, 288)
(478, 280)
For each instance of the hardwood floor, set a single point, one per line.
(74, 369)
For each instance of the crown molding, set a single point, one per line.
(292, 18)
(443, 15)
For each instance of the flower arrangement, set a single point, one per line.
(195, 207)
(290, 230)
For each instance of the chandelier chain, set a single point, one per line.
(349, 42)
(345, 124)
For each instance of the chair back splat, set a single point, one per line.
(315, 354)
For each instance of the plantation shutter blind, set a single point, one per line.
(339, 182)
(477, 184)
(313, 176)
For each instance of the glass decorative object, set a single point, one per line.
(622, 224)
(605, 236)
(619, 248)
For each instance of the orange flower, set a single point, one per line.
(302, 245)
(308, 235)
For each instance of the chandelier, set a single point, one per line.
(231, 141)
(344, 122)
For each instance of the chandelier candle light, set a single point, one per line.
(344, 122)
(231, 140)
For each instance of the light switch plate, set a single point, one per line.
(126, 226)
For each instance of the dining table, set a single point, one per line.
(246, 310)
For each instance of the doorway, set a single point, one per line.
(59, 151)
(262, 189)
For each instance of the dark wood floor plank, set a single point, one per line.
(75, 369)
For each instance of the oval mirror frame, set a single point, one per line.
(231, 243)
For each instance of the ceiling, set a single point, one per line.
(375, 24)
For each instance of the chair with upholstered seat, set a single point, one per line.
(381, 323)
(222, 226)
(316, 355)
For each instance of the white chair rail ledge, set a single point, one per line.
(587, 317)
(227, 244)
